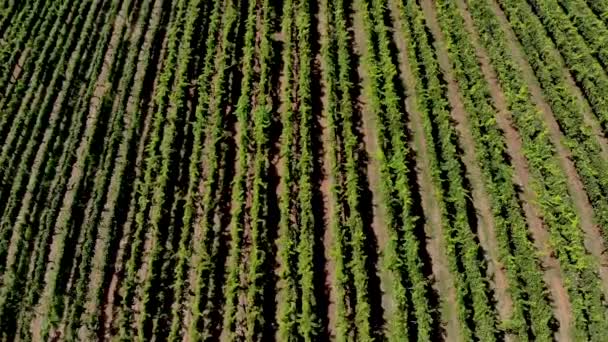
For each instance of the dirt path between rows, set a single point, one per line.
(481, 200)
(593, 238)
(444, 283)
(552, 274)
(329, 216)
(370, 139)
(327, 182)
(16, 72)
(278, 162)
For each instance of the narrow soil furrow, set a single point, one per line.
(327, 181)
(17, 71)
(284, 161)
(370, 140)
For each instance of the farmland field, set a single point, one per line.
(344, 170)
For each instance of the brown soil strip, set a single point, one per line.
(593, 238)
(17, 69)
(481, 200)
(278, 161)
(330, 215)
(444, 283)
(373, 168)
(16, 73)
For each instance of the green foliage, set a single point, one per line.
(133, 102)
(69, 61)
(145, 186)
(401, 255)
(288, 293)
(578, 58)
(592, 167)
(522, 267)
(600, 8)
(23, 119)
(308, 325)
(202, 261)
(548, 180)
(590, 27)
(238, 202)
(183, 253)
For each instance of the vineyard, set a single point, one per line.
(257, 170)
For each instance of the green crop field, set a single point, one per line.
(329, 170)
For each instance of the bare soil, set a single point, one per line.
(370, 139)
(17, 69)
(16, 73)
(278, 164)
(329, 205)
